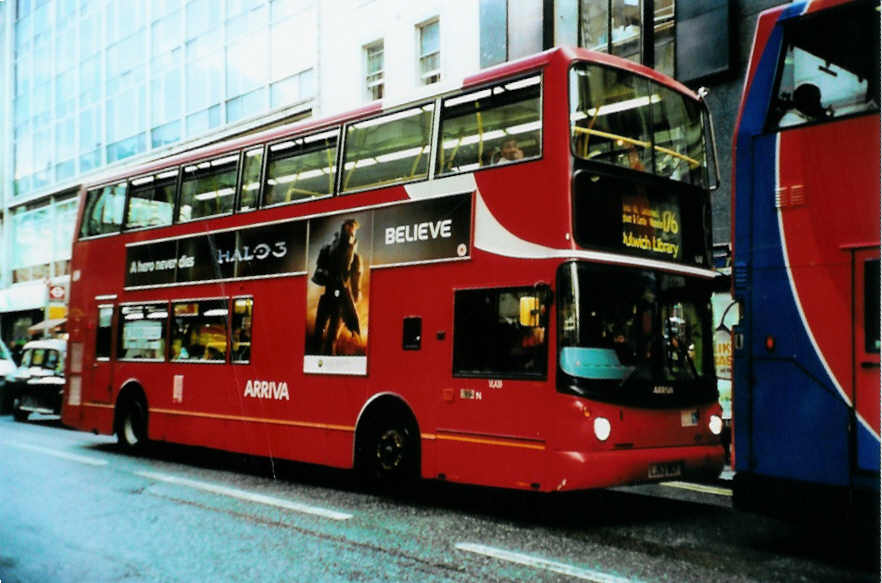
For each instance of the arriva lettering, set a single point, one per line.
(259, 389)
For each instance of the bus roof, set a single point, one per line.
(569, 54)
(225, 145)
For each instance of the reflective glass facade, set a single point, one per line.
(87, 83)
(98, 81)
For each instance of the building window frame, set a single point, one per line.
(428, 58)
(374, 77)
(658, 20)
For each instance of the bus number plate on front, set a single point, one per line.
(667, 470)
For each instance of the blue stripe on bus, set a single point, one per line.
(868, 449)
(794, 424)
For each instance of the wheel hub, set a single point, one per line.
(390, 449)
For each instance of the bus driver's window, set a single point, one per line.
(243, 309)
(499, 332)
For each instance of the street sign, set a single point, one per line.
(57, 292)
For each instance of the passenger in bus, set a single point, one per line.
(634, 161)
(622, 342)
(178, 350)
(242, 344)
(805, 106)
(510, 152)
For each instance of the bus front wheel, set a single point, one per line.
(131, 430)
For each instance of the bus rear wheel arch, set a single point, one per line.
(387, 444)
(131, 418)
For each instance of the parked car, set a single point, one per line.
(7, 368)
(38, 383)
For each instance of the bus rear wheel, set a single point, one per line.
(17, 412)
(390, 453)
(131, 429)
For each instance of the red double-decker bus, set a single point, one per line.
(508, 285)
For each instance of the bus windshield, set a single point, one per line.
(634, 335)
(627, 120)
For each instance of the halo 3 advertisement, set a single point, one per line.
(344, 248)
(338, 257)
(337, 293)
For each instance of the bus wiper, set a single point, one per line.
(640, 367)
(683, 353)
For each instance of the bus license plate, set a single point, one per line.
(667, 470)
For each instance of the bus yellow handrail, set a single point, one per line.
(331, 164)
(293, 190)
(643, 144)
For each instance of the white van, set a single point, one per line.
(39, 381)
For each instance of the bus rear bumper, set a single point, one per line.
(799, 501)
(580, 470)
(95, 417)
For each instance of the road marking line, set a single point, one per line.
(539, 563)
(59, 454)
(247, 496)
(698, 488)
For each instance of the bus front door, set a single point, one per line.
(866, 354)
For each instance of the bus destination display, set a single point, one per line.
(651, 226)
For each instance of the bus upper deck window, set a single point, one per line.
(301, 169)
(678, 134)
(621, 118)
(388, 149)
(104, 210)
(152, 200)
(250, 187)
(491, 126)
(609, 113)
(837, 77)
(208, 187)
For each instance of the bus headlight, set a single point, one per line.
(715, 424)
(602, 428)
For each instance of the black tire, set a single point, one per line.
(131, 427)
(389, 453)
(17, 413)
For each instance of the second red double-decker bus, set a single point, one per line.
(806, 227)
(506, 285)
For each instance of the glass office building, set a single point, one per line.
(91, 83)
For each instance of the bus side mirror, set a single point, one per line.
(544, 293)
(710, 140)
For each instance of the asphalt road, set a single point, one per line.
(74, 508)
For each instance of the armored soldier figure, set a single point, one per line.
(338, 268)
